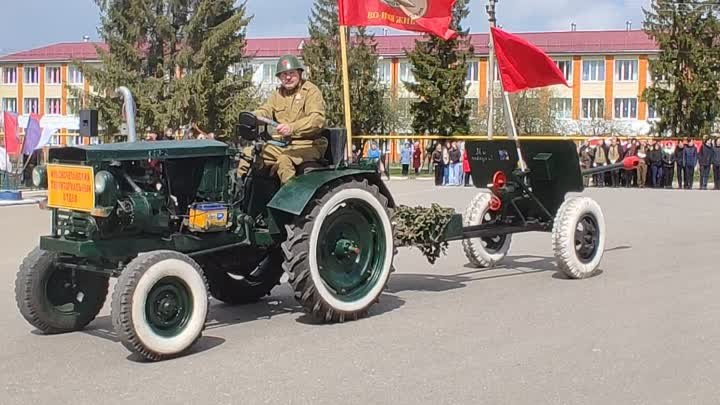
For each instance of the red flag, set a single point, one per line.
(523, 65)
(433, 16)
(10, 124)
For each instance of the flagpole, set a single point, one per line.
(490, 8)
(346, 88)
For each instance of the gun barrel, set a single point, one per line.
(603, 169)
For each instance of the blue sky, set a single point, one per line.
(68, 20)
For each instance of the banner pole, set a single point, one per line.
(490, 8)
(513, 131)
(346, 89)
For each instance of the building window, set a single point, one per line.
(406, 73)
(626, 70)
(565, 66)
(73, 106)
(269, 71)
(384, 74)
(626, 108)
(75, 76)
(593, 70)
(561, 107)
(593, 108)
(9, 75)
(52, 75)
(9, 104)
(31, 105)
(31, 75)
(652, 113)
(472, 72)
(52, 106)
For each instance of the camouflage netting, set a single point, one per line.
(422, 228)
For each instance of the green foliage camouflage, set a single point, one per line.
(423, 228)
(685, 75)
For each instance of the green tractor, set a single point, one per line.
(175, 224)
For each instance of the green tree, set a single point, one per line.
(321, 55)
(686, 78)
(440, 69)
(175, 57)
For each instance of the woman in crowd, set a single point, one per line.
(680, 163)
(405, 157)
(655, 163)
(642, 165)
(438, 166)
(705, 160)
(417, 158)
(668, 169)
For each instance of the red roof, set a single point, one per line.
(554, 43)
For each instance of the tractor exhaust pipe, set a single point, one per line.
(129, 106)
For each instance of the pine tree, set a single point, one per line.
(321, 55)
(175, 57)
(440, 69)
(686, 78)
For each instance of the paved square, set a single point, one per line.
(644, 331)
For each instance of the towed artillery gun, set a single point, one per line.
(175, 224)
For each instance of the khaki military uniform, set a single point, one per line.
(304, 111)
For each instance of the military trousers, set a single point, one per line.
(283, 160)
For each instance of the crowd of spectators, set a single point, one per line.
(663, 164)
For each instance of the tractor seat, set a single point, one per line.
(334, 154)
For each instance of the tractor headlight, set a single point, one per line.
(39, 176)
(104, 181)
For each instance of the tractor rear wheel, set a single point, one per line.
(160, 304)
(483, 252)
(234, 281)
(578, 237)
(339, 253)
(58, 300)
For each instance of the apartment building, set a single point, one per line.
(607, 72)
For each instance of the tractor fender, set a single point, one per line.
(294, 196)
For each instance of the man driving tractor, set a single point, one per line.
(298, 106)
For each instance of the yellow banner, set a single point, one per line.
(71, 187)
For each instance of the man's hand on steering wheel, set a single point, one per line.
(284, 130)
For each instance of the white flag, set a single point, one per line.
(47, 133)
(5, 164)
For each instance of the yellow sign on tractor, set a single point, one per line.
(71, 187)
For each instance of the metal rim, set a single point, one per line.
(587, 238)
(351, 250)
(66, 292)
(169, 306)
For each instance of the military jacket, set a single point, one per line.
(302, 109)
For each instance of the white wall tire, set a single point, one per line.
(483, 252)
(160, 304)
(313, 274)
(578, 237)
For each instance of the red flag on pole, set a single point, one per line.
(433, 16)
(523, 65)
(10, 128)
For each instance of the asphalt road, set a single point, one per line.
(645, 331)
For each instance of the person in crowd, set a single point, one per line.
(630, 176)
(705, 160)
(585, 161)
(455, 164)
(716, 164)
(437, 162)
(642, 165)
(417, 158)
(668, 166)
(466, 168)
(599, 160)
(446, 163)
(680, 163)
(614, 157)
(655, 164)
(691, 159)
(405, 158)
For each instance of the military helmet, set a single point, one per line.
(288, 62)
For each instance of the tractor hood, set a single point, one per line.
(156, 150)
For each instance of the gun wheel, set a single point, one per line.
(57, 300)
(484, 252)
(578, 237)
(339, 254)
(160, 304)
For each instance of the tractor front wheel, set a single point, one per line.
(55, 299)
(339, 253)
(160, 304)
(578, 237)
